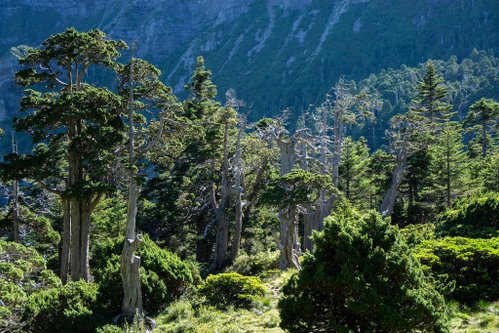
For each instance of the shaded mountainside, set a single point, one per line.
(274, 53)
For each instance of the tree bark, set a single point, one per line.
(15, 198)
(130, 263)
(288, 242)
(86, 213)
(222, 236)
(388, 203)
(75, 255)
(66, 240)
(130, 276)
(236, 240)
(310, 210)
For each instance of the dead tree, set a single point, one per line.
(238, 189)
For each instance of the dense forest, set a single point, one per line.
(375, 209)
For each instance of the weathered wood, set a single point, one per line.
(398, 174)
(66, 240)
(130, 263)
(288, 243)
(238, 173)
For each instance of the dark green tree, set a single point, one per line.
(448, 164)
(483, 119)
(78, 126)
(361, 277)
(353, 170)
(431, 100)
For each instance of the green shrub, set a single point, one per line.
(416, 233)
(22, 272)
(255, 264)
(70, 308)
(475, 217)
(231, 289)
(361, 277)
(164, 276)
(472, 263)
(110, 329)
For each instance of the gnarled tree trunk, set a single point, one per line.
(236, 240)
(288, 242)
(388, 203)
(130, 263)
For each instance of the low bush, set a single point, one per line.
(164, 276)
(70, 308)
(361, 277)
(22, 272)
(417, 233)
(475, 217)
(472, 263)
(231, 289)
(255, 264)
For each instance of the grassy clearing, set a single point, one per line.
(182, 317)
(482, 318)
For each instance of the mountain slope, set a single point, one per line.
(274, 53)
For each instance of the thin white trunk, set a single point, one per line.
(236, 241)
(15, 198)
(390, 197)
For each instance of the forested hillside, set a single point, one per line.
(296, 48)
(141, 200)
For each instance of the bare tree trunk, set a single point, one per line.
(388, 203)
(130, 276)
(15, 198)
(86, 213)
(130, 263)
(309, 219)
(338, 143)
(75, 254)
(236, 241)
(309, 215)
(288, 242)
(325, 200)
(222, 236)
(66, 240)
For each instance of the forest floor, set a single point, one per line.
(180, 317)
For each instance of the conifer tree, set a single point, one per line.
(483, 119)
(74, 122)
(431, 99)
(448, 163)
(140, 86)
(353, 172)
